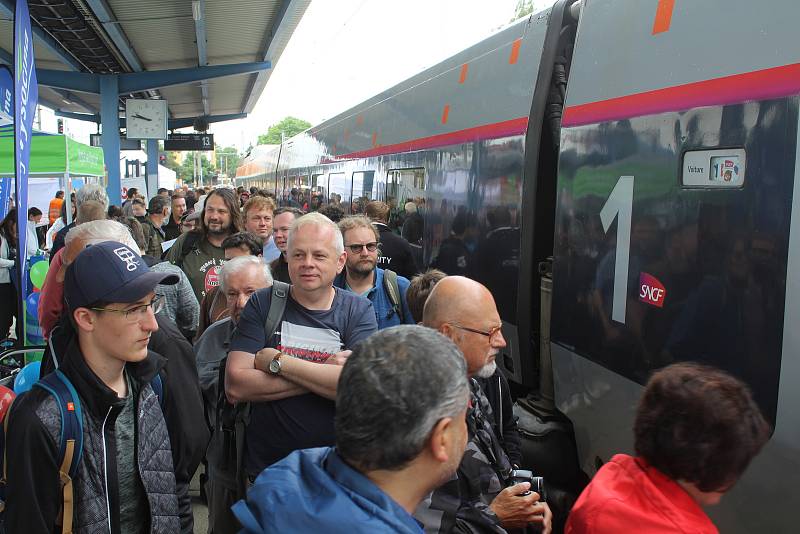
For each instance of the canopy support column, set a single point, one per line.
(152, 167)
(109, 117)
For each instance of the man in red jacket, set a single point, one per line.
(696, 430)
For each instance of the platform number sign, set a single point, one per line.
(619, 206)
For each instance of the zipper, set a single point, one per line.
(105, 468)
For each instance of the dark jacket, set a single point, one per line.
(505, 422)
(395, 253)
(33, 492)
(58, 240)
(171, 230)
(182, 403)
(280, 270)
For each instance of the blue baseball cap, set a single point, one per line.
(110, 272)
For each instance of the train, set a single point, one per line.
(639, 155)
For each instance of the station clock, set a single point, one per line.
(146, 119)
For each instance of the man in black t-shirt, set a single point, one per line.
(291, 378)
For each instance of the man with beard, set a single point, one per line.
(385, 289)
(199, 253)
(474, 500)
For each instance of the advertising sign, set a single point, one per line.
(6, 96)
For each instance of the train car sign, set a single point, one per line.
(651, 290)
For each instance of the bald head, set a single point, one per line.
(464, 311)
(454, 299)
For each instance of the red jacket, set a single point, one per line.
(51, 300)
(628, 495)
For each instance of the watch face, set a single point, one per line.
(146, 119)
(275, 366)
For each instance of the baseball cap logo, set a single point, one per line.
(126, 255)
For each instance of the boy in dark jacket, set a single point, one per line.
(125, 480)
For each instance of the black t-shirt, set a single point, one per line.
(279, 427)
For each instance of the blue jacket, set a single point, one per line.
(313, 490)
(380, 299)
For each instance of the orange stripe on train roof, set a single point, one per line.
(463, 76)
(663, 18)
(445, 113)
(512, 59)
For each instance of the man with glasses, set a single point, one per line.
(464, 311)
(125, 482)
(361, 275)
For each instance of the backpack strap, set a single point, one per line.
(71, 442)
(393, 292)
(189, 244)
(277, 305)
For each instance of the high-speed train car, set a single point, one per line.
(650, 148)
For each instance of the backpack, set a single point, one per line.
(393, 292)
(189, 244)
(226, 452)
(71, 443)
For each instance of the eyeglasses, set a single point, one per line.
(355, 248)
(490, 333)
(136, 314)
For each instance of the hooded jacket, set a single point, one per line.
(33, 493)
(314, 490)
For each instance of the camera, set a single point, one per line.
(523, 475)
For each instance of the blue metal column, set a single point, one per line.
(152, 167)
(109, 117)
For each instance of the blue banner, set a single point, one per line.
(5, 196)
(6, 96)
(26, 96)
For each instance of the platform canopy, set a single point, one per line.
(152, 37)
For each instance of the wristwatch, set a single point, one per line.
(275, 364)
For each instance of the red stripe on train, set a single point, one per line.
(469, 135)
(764, 84)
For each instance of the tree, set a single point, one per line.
(186, 170)
(288, 127)
(228, 158)
(524, 7)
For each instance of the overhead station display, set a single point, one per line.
(189, 142)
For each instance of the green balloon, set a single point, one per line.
(38, 273)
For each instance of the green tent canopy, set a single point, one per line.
(54, 155)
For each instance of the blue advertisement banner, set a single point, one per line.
(26, 95)
(5, 196)
(6, 96)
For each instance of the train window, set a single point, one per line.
(318, 189)
(403, 185)
(364, 190)
(714, 168)
(339, 190)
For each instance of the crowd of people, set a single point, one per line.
(323, 382)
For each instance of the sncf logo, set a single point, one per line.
(125, 254)
(651, 290)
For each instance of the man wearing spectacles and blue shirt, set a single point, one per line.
(125, 480)
(361, 275)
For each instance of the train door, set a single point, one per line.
(339, 188)
(364, 190)
(675, 192)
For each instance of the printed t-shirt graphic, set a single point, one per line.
(309, 343)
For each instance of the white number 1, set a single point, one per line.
(620, 206)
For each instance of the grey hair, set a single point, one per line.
(91, 192)
(394, 389)
(94, 232)
(236, 265)
(319, 220)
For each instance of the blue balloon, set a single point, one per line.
(32, 307)
(27, 377)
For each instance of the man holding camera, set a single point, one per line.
(486, 494)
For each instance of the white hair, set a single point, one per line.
(94, 232)
(238, 264)
(91, 192)
(317, 219)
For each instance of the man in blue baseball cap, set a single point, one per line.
(125, 480)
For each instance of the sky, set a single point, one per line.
(346, 51)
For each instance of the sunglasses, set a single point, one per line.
(355, 248)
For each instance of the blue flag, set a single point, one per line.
(26, 95)
(6, 96)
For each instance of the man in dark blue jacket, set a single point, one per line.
(400, 432)
(385, 289)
